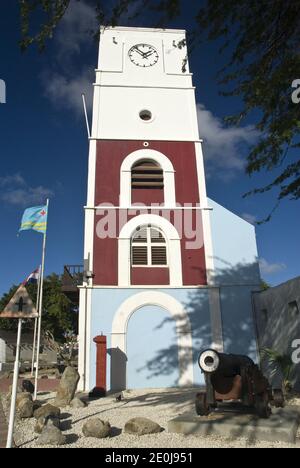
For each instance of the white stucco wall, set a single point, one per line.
(123, 89)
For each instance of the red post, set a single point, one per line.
(100, 389)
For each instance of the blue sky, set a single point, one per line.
(44, 149)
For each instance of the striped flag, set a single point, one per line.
(33, 277)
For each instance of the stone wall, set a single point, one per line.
(8, 349)
(277, 313)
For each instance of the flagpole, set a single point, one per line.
(9, 442)
(40, 309)
(36, 323)
(86, 116)
(34, 345)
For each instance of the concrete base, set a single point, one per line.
(282, 426)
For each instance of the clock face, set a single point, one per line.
(143, 55)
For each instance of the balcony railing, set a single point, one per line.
(71, 279)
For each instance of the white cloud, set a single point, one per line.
(223, 146)
(252, 219)
(65, 81)
(66, 92)
(270, 268)
(76, 28)
(11, 180)
(15, 191)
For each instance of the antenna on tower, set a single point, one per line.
(86, 116)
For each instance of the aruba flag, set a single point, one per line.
(35, 218)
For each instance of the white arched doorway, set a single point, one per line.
(119, 336)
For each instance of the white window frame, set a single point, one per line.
(149, 244)
(173, 242)
(168, 172)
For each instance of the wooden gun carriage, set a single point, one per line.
(238, 380)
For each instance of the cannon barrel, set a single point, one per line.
(211, 361)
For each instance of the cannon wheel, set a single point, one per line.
(202, 407)
(262, 407)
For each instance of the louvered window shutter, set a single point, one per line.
(149, 248)
(147, 174)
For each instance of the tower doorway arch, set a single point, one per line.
(119, 357)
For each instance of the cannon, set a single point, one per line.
(238, 381)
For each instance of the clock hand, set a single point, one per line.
(147, 54)
(144, 54)
(139, 51)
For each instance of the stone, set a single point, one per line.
(25, 409)
(46, 411)
(77, 403)
(142, 426)
(40, 424)
(21, 397)
(36, 405)
(52, 436)
(43, 422)
(24, 405)
(27, 386)
(96, 428)
(67, 387)
(8, 396)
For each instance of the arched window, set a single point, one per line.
(147, 174)
(169, 239)
(148, 248)
(136, 179)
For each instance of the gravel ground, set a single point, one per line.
(158, 405)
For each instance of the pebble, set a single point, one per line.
(158, 405)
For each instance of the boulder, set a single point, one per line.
(27, 386)
(77, 403)
(142, 426)
(52, 436)
(21, 397)
(96, 428)
(36, 405)
(24, 409)
(46, 411)
(67, 387)
(24, 405)
(43, 422)
(8, 396)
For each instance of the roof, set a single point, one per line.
(127, 28)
